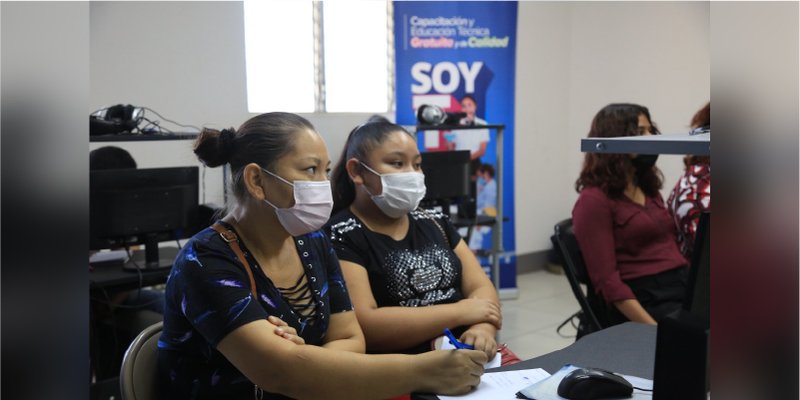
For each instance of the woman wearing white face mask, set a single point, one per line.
(409, 273)
(256, 305)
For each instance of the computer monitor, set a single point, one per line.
(682, 367)
(698, 294)
(142, 206)
(446, 174)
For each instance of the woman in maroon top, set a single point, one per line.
(625, 233)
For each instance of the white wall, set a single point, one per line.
(186, 61)
(575, 58)
(544, 146)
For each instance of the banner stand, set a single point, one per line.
(460, 56)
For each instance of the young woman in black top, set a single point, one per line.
(409, 273)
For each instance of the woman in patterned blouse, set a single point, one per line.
(691, 195)
(257, 305)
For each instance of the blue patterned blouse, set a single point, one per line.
(208, 296)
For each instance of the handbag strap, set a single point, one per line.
(432, 218)
(229, 236)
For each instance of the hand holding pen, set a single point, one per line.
(455, 342)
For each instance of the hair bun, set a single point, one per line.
(226, 143)
(214, 148)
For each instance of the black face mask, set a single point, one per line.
(644, 162)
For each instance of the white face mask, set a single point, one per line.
(401, 194)
(313, 202)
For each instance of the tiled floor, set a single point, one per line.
(530, 321)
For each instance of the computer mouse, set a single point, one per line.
(594, 383)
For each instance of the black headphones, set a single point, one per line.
(115, 119)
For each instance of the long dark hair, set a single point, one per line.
(360, 142)
(612, 172)
(262, 139)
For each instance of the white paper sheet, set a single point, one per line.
(502, 385)
(547, 389)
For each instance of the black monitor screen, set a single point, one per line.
(446, 174)
(142, 206)
(698, 296)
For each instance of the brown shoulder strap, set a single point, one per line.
(433, 218)
(230, 237)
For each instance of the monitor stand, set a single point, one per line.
(151, 251)
(152, 257)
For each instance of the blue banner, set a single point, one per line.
(460, 56)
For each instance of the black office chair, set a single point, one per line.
(593, 308)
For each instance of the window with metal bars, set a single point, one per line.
(333, 56)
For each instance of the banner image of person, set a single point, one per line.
(460, 56)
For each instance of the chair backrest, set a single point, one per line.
(137, 377)
(575, 270)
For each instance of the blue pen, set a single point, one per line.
(457, 343)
